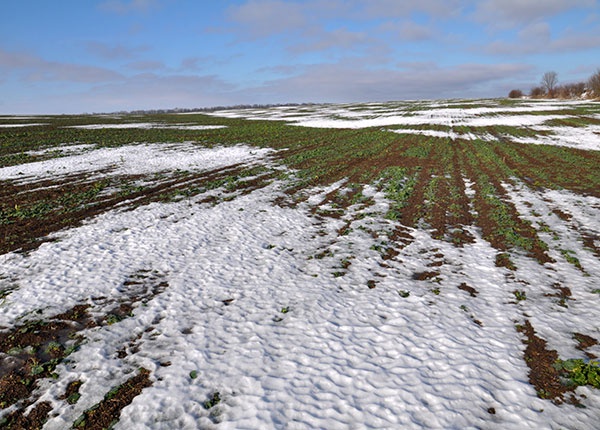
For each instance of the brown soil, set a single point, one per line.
(552, 168)
(503, 260)
(423, 276)
(562, 293)
(107, 412)
(34, 420)
(494, 174)
(562, 215)
(584, 342)
(34, 350)
(590, 240)
(542, 373)
(71, 392)
(36, 347)
(68, 201)
(472, 291)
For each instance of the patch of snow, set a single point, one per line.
(415, 113)
(65, 149)
(341, 354)
(551, 320)
(449, 134)
(136, 159)
(587, 137)
(22, 125)
(289, 335)
(148, 125)
(22, 117)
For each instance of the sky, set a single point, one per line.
(74, 56)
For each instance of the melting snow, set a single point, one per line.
(22, 125)
(149, 125)
(135, 160)
(341, 355)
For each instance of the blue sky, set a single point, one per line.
(71, 56)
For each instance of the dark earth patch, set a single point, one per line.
(472, 291)
(106, 413)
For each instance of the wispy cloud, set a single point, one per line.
(114, 52)
(511, 13)
(261, 18)
(151, 90)
(347, 81)
(199, 63)
(123, 7)
(407, 30)
(401, 9)
(336, 39)
(263, 51)
(36, 69)
(537, 38)
(146, 66)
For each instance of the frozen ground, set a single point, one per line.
(482, 113)
(147, 125)
(29, 124)
(257, 312)
(131, 160)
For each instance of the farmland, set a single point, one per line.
(382, 265)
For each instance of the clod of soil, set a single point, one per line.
(503, 260)
(472, 291)
(423, 276)
(584, 342)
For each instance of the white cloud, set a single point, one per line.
(114, 52)
(348, 81)
(142, 91)
(537, 39)
(339, 38)
(123, 7)
(345, 81)
(510, 13)
(34, 69)
(262, 18)
(146, 65)
(400, 9)
(537, 33)
(408, 30)
(572, 42)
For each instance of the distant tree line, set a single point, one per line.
(206, 109)
(549, 88)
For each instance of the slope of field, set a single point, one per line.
(384, 265)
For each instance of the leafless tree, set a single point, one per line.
(570, 90)
(549, 81)
(594, 84)
(578, 89)
(537, 92)
(515, 94)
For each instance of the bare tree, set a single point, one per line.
(577, 89)
(594, 84)
(515, 94)
(537, 92)
(570, 90)
(549, 81)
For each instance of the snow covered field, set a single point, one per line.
(254, 307)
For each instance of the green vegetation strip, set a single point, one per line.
(415, 171)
